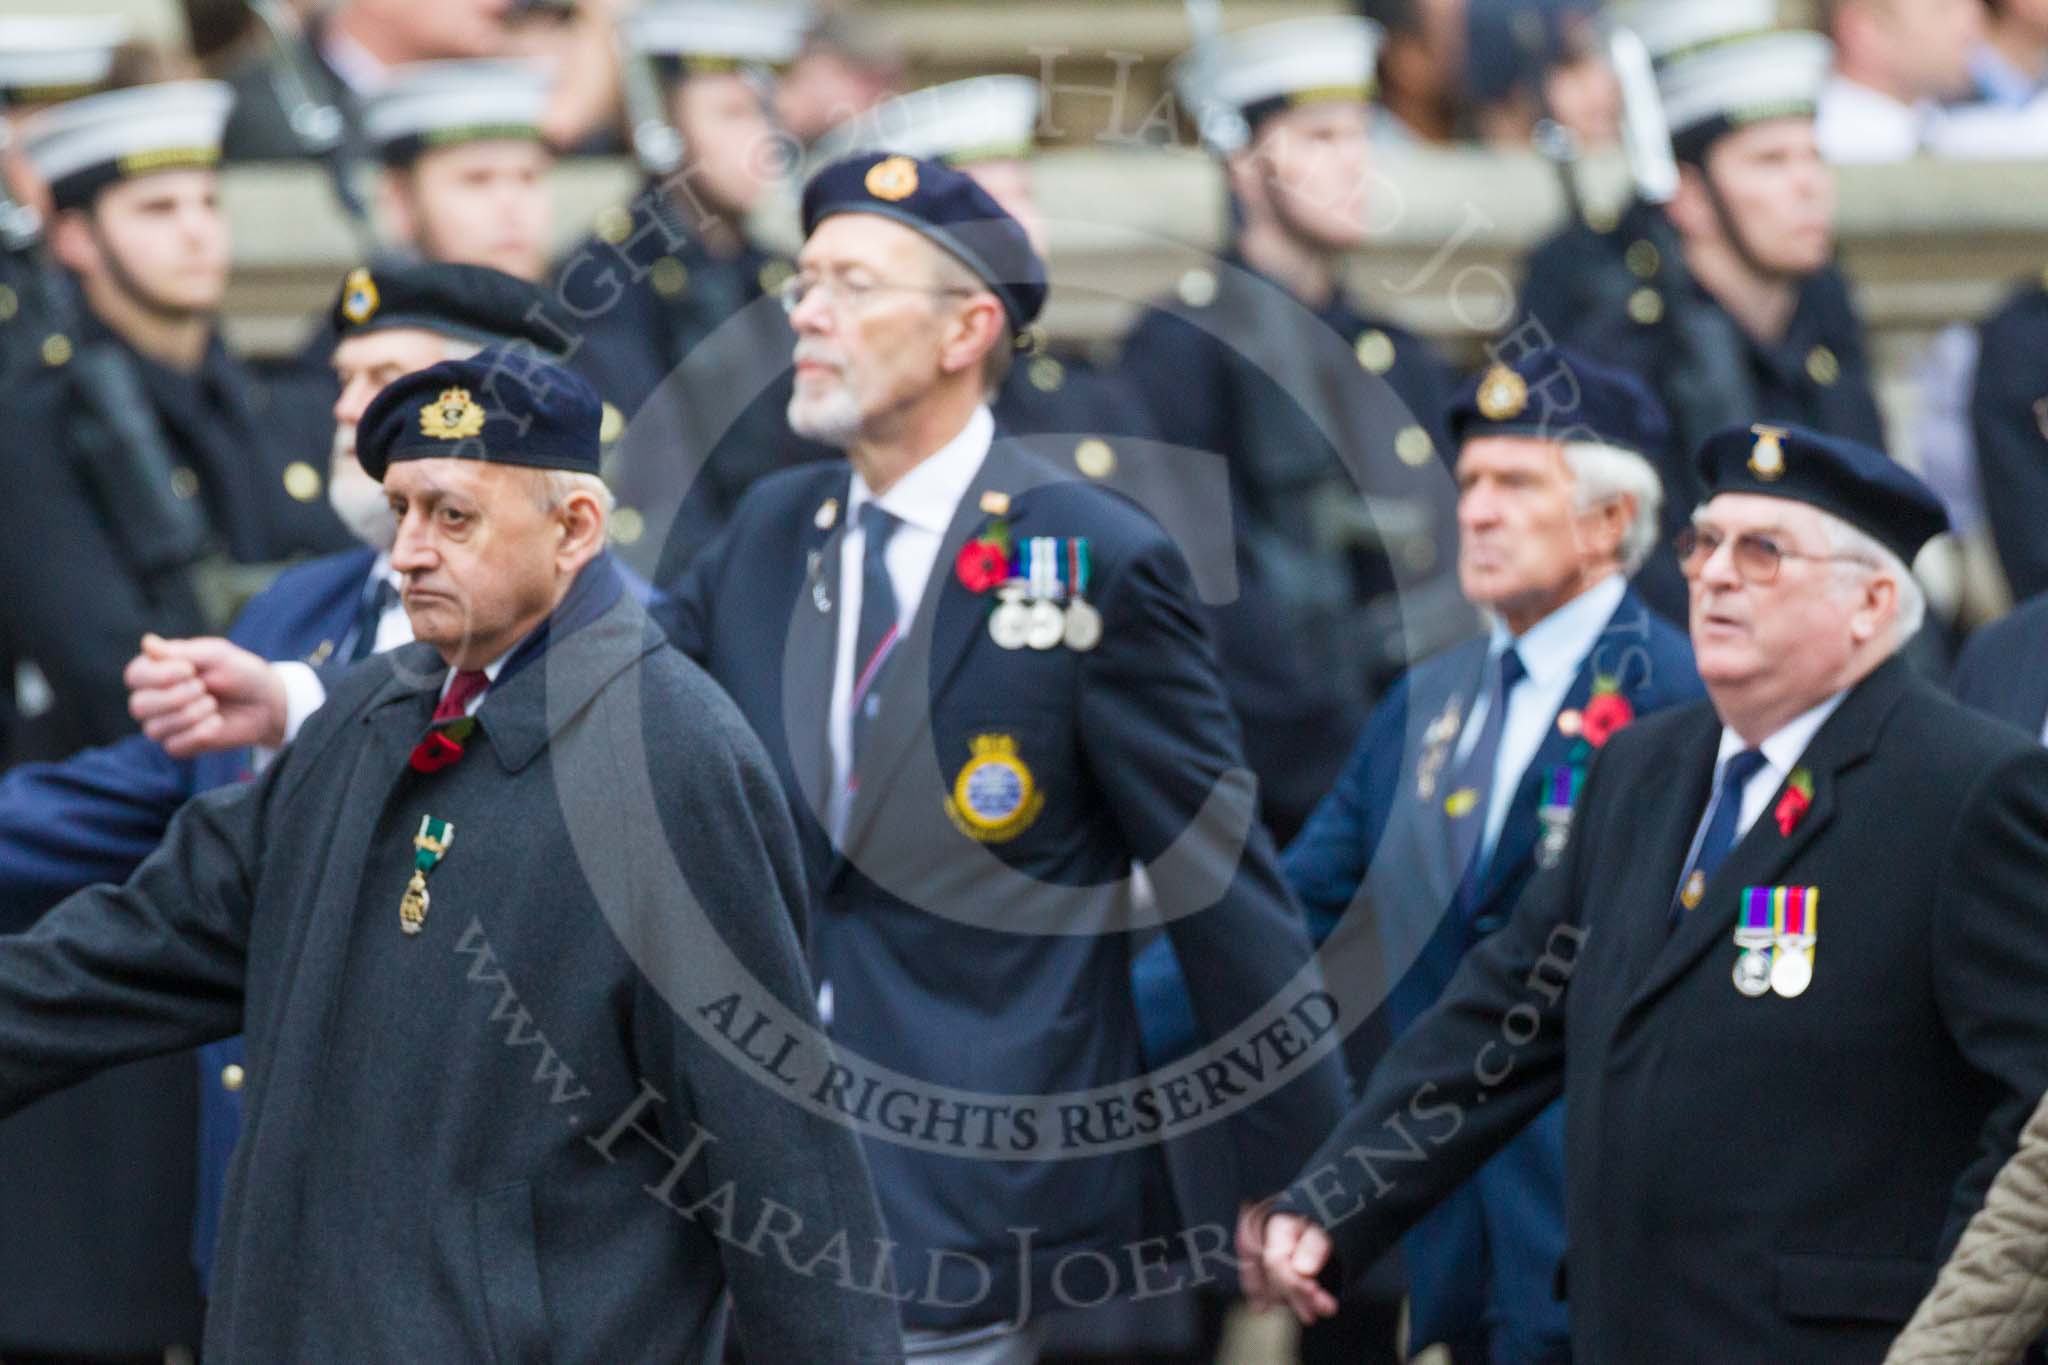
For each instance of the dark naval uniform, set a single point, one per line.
(1762, 1163)
(2009, 418)
(2000, 670)
(1610, 294)
(1330, 422)
(125, 475)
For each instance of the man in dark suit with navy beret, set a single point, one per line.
(988, 694)
(1787, 973)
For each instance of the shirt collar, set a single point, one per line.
(929, 495)
(1999, 80)
(1557, 645)
(358, 68)
(1782, 750)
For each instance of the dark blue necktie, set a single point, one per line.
(1721, 821)
(377, 599)
(875, 636)
(1473, 782)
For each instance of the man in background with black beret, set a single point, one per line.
(1794, 1007)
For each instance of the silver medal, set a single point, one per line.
(1753, 972)
(1047, 625)
(1010, 624)
(1792, 973)
(1084, 626)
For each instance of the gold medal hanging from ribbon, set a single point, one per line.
(430, 845)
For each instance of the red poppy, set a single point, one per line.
(981, 566)
(1791, 809)
(1605, 714)
(435, 752)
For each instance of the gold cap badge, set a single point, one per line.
(359, 297)
(452, 417)
(1767, 458)
(1503, 394)
(892, 178)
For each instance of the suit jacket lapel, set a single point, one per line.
(949, 619)
(811, 647)
(1763, 854)
(1518, 836)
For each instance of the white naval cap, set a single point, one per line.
(1676, 28)
(84, 145)
(45, 58)
(985, 118)
(1256, 71)
(719, 34)
(1743, 81)
(439, 104)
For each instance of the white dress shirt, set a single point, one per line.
(923, 502)
(303, 690)
(1781, 752)
(1552, 652)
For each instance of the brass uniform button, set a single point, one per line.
(611, 425)
(1375, 351)
(1046, 374)
(627, 525)
(1646, 306)
(669, 277)
(1414, 447)
(302, 481)
(184, 483)
(1095, 457)
(10, 303)
(773, 276)
(614, 225)
(1602, 218)
(56, 350)
(1822, 367)
(1642, 259)
(1198, 288)
(233, 1078)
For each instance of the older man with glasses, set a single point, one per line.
(1772, 1133)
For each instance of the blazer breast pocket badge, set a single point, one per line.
(995, 797)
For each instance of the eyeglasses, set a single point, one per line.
(855, 294)
(1758, 557)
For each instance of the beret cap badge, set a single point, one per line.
(1503, 394)
(1767, 459)
(453, 416)
(892, 179)
(359, 296)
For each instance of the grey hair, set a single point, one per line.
(456, 348)
(1601, 473)
(557, 486)
(1874, 559)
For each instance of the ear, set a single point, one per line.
(72, 241)
(395, 205)
(1247, 182)
(1877, 611)
(978, 329)
(1605, 525)
(581, 525)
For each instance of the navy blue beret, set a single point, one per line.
(1557, 394)
(472, 302)
(1862, 486)
(504, 405)
(946, 206)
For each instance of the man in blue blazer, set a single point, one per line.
(1464, 781)
(95, 816)
(988, 694)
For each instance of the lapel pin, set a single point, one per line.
(828, 513)
(995, 504)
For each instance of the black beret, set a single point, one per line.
(469, 302)
(946, 206)
(504, 405)
(1862, 486)
(1558, 394)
